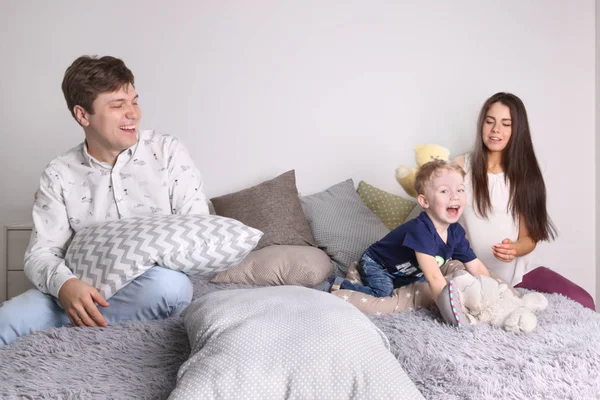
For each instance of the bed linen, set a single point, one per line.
(560, 360)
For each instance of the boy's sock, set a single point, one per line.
(330, 285)
(336, 284)
(324, 287)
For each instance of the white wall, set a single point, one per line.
(597, 149)
(332, 88)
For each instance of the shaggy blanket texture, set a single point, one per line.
(560, 360)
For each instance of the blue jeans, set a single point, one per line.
(158, 293)
(377, 280)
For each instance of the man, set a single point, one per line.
(117, 172)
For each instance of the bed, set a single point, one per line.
(141, 360)
(560, 360)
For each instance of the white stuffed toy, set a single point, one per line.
(482, 299)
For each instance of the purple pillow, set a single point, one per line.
(545, 280)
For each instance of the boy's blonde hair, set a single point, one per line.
(427, 170)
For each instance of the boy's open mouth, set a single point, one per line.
(453, 210)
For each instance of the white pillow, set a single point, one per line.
(110, 255)
(286, 342)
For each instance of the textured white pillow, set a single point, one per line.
(342, 225)
(110, 255)
(286, 342)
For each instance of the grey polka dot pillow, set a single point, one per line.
(286, 342)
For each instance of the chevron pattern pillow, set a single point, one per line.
(110, 255)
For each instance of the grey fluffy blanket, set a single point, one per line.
(560, 360)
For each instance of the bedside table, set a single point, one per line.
(12, 278)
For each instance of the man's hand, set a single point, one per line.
(78, 300)
(505, 251)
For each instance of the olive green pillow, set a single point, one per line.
(391, 209)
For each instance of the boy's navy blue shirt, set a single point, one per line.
(396, 250)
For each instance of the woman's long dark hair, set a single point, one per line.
(521, 171)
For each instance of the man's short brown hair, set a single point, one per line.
(427, 170)
(89, 76)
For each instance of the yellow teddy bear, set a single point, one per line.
(423, 154)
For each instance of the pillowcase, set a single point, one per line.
(391, 209)
(273, 207)
(406, 298)
(110, 255)
(343, 226)
(286, 342)
(414, 213)
(280, 265)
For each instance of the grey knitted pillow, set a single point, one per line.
(342, 225)
(272, 207)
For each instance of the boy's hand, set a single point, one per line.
(432, 273)
(476, 267)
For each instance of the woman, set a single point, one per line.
(505, 216)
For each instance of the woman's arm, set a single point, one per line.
(525, 243)
(509, 250)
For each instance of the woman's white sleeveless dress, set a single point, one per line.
(483, 233)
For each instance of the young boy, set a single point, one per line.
(416, 250)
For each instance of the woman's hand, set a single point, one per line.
(505, 251)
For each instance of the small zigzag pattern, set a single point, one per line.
(110, 255)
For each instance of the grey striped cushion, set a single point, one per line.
(110, 255)
(342, 225)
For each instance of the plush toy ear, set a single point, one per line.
(535, 301)
(402, 172)
(449, 305)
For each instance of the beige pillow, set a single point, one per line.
(273, 207)
(390, 208)
(280, 265)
